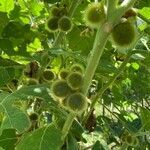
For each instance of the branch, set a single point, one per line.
(107, 85)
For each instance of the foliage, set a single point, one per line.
(113, 87)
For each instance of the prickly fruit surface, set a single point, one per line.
(52, 24)
(60, 89)
(76, 102)
(75, 80)
(124, 34)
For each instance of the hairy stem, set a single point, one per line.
(124, 146)
(95, 55)
(107, 85)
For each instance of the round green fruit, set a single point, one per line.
(124, 34)
(52, 23)
(48, 75)
(33, 116)
(76, 103)
(55, 11)
(60, 89)
(129, 139)
(63, 73)
(94, 14)
(65, 24)
(75, 80)
(77, 68)
(32, 82)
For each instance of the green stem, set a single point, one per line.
(96, 53)
(124, 146)
(107, 85)
(74, 5)
(67, 125)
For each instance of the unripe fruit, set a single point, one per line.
(63, 73)
(32, 82)
(75, 80)
(76, 102)
(65, 24)
(52, 23)
(48, 75)
(77, 68)
(136, 142)
(124, 34)
(33, 116)
(55, 11)
(60, 89)
(94, 15)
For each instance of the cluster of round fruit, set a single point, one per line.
(123, 34)
(67, 89)
(59, 20)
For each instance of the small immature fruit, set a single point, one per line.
(63, 73)
(60, 89)
(124, 34)
(65, 24)
(55, 11)
(94, 14)
(75, 80)
(33, 116)
(136, 142)
(52, 23)
(76, 102)
(32, 82)
(48, 75)
(77, 68)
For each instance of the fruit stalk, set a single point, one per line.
(67, 125)
(124, 146)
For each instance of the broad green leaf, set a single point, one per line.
(78, 40)
(6, 5)
(35, 7)
(15, 117)
(97, 146)
(3, 21)
(142, 3)
(7, 46)
(7, 74)
(46, 138)
(145, 114)
(72, 143)
(145, 12)
(8, 139)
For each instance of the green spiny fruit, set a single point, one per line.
(77, 68)
(124, 34)
(129, 139)
(75, 80)
(94, 15)
(48, 75)
(52, 23)
(33, 116)
(32, 82)
(60, 89)
(55, 11)
(76, 103)
(63, 73)
(136, 142)
(65, 24)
